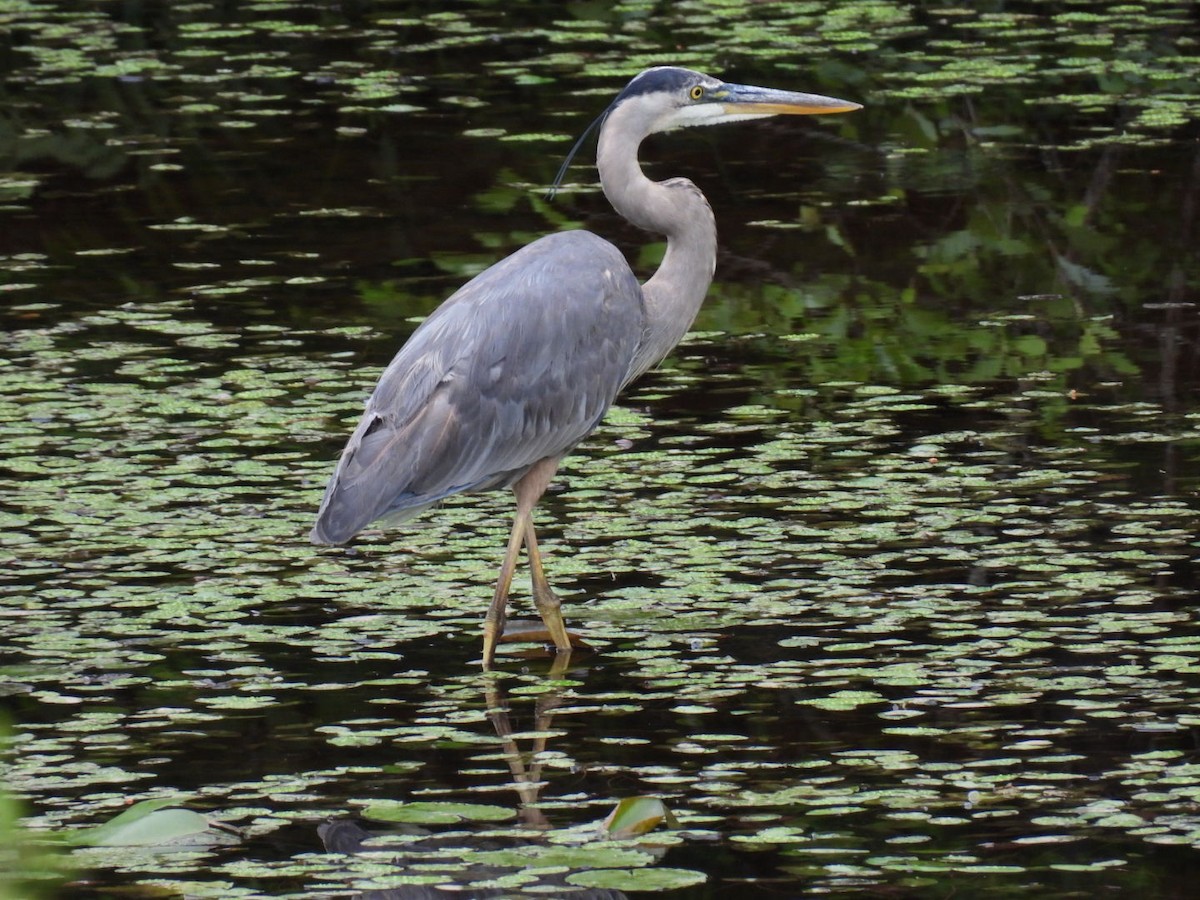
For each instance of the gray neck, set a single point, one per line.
(675, 208)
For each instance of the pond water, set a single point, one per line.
(889, 570)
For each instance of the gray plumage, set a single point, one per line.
(521, 364)
(488, 384)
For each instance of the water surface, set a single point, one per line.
(889, 569)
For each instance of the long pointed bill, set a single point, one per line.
(747, 100)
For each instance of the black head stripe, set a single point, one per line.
(665, 78)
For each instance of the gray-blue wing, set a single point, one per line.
(519, 364)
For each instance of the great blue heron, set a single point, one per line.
(522, 362)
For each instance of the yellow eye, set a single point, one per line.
(697, 92)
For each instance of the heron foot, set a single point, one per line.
(523, 631)
(493, 631)
(549, 607)
(494, 623)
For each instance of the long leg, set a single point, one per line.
(493, 622)
(528, 490)
(547, 602)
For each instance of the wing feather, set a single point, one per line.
(519, 364)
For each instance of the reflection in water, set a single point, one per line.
(418, 852)
(526, 766)
(345, 836)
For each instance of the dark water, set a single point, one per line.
(889, 569)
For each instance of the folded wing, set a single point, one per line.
(518, 365)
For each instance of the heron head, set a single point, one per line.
(668, 97)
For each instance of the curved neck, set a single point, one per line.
(676, 208)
